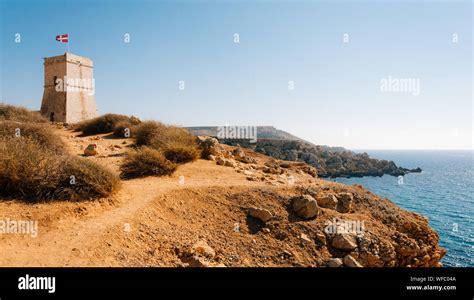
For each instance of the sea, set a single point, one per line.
(443, 192)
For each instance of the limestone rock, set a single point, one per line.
(344, 204)
(305, 206)
(220, 161)
(230, 163)
(240, 156)
(351, 262)
(252, 178)
(260, 213)
(334, 263)
(344, 241)
(226, 162)
(209, 146)
(238, 153)
(305, 238)
(200, 255)
(201, 248)
(327, 201)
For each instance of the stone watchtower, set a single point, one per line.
(69, 89)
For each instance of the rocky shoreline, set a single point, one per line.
(329, 162)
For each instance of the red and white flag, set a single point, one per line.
(63, 38)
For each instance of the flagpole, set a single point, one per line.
(68, 43)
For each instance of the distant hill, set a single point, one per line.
(263, 132)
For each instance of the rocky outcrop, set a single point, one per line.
(209, 146)
(328, 161)
(320, 223)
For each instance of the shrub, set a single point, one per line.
(92, 180)
(181, 153)
(146, 162)
(19, 114)
(147, 131)
(159, 136)
(30, 171)
(103, 124)
(41, 133)
(120, 129)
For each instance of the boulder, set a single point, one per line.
(260, 213)
(351, 262)
(247, 159)
(230, 163)
(344, 203)
(305, 206)
(334, 263)
(208, 146)
(201, 248)
(344, 241)
(220, 161)
(226, 162)
(327, 201)
(238, 152)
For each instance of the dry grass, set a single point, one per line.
(32, 172)
(104, 124)
(146, 162)
(147, 131)
(19, 114)
(163, 147)
(41, 133)
(125, 129)
(181, 153)
(161, 137)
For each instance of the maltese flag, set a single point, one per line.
(63, 38)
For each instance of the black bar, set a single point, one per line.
(367, 282)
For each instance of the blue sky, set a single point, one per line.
(336, 98)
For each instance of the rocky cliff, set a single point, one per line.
(328, 161)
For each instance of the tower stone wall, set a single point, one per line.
(69, 89)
